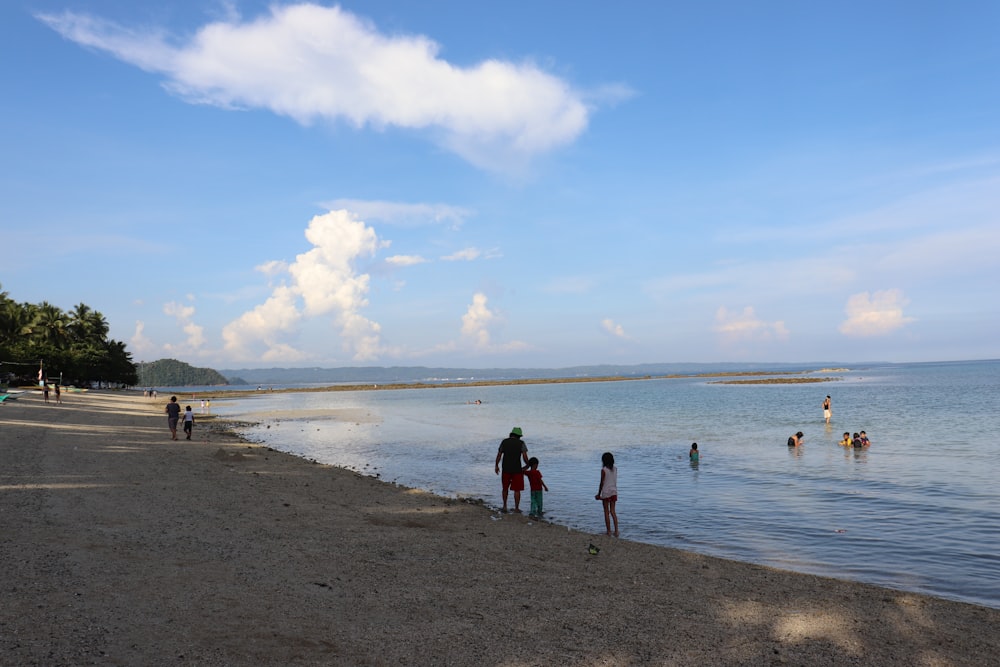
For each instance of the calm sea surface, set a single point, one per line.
(918, 511)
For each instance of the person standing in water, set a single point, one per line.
(826, 409)
(512, 450)
(607, 492)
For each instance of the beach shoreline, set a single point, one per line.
(124, 547)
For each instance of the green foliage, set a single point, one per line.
(173, 373)
(73, 345)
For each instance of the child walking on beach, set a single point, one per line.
(535, 480)
(188, 421)
(607, 492)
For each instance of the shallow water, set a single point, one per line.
(917, 511)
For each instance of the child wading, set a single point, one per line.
(535, 480)
(607, 492)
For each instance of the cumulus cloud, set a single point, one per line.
(747, 327)
(479, 324)
(195, 333)
(321, 281)
(314, 63)
(272, 268)
(616, 330)
(875, 314)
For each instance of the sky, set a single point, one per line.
(244, 184)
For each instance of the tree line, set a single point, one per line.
(73, 346)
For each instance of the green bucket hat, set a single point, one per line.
(516, 431)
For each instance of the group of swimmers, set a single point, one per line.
(857, 441)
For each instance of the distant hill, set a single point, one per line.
(402, 374)
(173, 373)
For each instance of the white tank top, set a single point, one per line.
(610, 486)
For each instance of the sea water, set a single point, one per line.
(917, 511)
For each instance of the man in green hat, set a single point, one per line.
(512, 451)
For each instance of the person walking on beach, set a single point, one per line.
(512, 450)
(826, 409)
(173, 414)
(45, 390)
(58, 395)
(188, 421)
(607, 492)
(536, 485)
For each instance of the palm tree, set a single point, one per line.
(15, 322)
(88, 326)
(49, 325)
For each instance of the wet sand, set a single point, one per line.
(122, 547)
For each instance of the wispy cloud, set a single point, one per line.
(471, 254)
(404, 214)
(875, 314)
(314, 63)
(405, 260)
(141, 344)
(747, 327)
(616, 330)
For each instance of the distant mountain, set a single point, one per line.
(403, 374)
(173, 373)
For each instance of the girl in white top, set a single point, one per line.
(188, 421)
(607, 492)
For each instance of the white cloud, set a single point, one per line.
(264, 324)
(272, 268)
(310, 63)
(400, 214)
(195, 333)
(747, 327)
(875, 314)
(616, 330)
(139, 343)
(405, 260)
(468, 255)
(325, 281)
(478, 325)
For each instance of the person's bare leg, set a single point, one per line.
(607, 516)
(614, 515)
(517, 501)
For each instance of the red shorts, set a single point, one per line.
(513, 480)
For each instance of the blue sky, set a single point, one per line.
(244, 184)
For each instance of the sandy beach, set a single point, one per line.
(122, 547)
